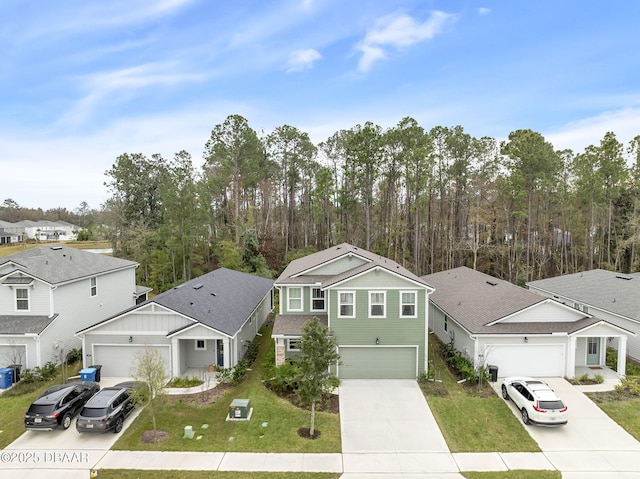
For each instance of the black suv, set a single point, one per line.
(107, 410)
(58, 405)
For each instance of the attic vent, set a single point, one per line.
(198, 286)
(492, 283)
(56, 248)
(619, 276)
(213, 294)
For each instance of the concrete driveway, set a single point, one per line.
(58, 450)
(588, 429)
(388, 428)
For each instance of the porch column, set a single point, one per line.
(176, 370)
(622, 356)
(571, 358)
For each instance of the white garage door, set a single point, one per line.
(117, 361)
(537, 360)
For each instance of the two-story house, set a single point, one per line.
(48, 293)
(376, 308)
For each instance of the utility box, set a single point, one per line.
(239, 409)
(88, 374)
(6, 378)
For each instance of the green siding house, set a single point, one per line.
(377, 310)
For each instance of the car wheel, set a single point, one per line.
(505, 394)
(525, 416)
(66, 421)
(118, 426)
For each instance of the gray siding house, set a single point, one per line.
(201, 324)
(49, 292)
(377, 310)
(612, 296)
(494, 322)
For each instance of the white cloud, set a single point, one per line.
(589, 131)
(398, 31)
(484, 11)
(302, 59)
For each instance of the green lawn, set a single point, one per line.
(137, 474)
(482, 423)
(624, 413)
(515, 474)
(16, 401)
(273, 426)
(6, 250)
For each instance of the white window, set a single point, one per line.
(94, 286)
(377, 304)
(346, 304)
(22, 299)
(317, 300)
(201, 345)
(294, 296)
(408, 300)
(293, 344)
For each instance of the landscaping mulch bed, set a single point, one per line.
(328, 403)
(200, 399)
(154, 437)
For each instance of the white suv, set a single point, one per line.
(537, 402)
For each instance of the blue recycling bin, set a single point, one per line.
(6, 378)
(88, 374)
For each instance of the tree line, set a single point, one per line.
(429, 199)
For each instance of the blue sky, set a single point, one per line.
(82, 82)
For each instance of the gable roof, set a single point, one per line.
(606, 290)
(16, 324)
(294, 273)
(475, 299)
(60, 264)
(222, 299)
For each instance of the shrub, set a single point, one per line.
(184, 382)
(223, 376)
(253, 348)
(74, 355)
(599, 378)
(284, 379)
(629, 386)
(238, 372)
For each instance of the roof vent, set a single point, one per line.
(619, 276)
(213, 294)
(198, 286)
(492, 283)
(56, 248)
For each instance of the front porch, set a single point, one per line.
(611, 378)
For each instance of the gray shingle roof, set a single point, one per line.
(475, 299)
(291, 324)
(301, 265)
(59, 264)
(607, 290)
(222, 299)
(24, 324)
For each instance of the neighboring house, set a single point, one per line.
(612, 296)
(377, 310)
(205, 322)
(49, 292)
(494, 322)
(10, 233)
(45, 230)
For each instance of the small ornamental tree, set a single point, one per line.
(318, 351)
(149, 369)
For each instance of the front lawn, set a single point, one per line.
(16, 401)
(137, 474)
(472, 419)
(273, 426)
(622, 404)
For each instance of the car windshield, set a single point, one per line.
(41, 408)
(551, 405)
(93, 412)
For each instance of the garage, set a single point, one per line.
(537, 360)
(378, 362)
(13, 354)
(117, 360)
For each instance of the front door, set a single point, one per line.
(593, 351)
(220, 350)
